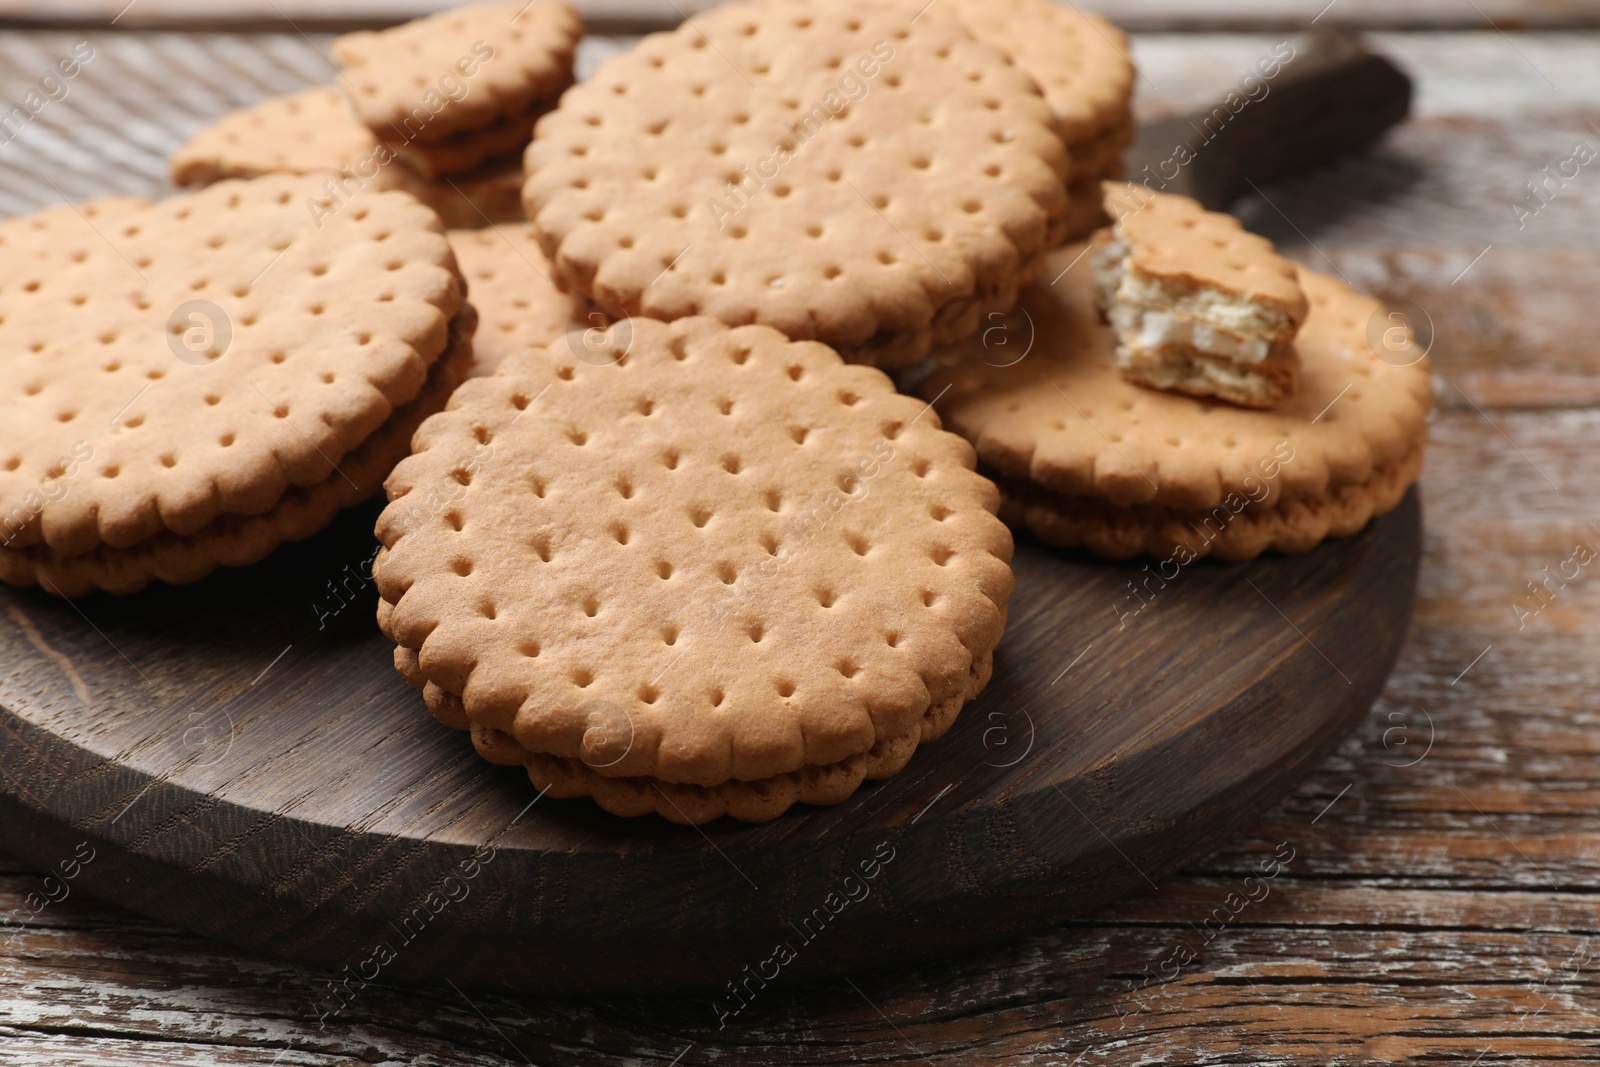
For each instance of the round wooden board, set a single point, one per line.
(243, 761)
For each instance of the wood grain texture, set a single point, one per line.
(1438, 910)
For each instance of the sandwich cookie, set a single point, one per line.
(1087, 458)
(720, 574)
(841, 173)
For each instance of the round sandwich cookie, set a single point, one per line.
(843, 173)
(508, 279)
(1088, 458)
(237, 540)
(453, 79)
(313, 132)
(172, 364)
(718, 573)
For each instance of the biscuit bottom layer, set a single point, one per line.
(463, 151)
(955, 320)
(1184, 368)
(1124, 531)
(240, 540)
(756, 800)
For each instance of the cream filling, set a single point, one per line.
(1143, 316)
(1143, 328)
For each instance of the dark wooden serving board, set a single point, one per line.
(243, 760)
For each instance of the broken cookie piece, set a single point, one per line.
(1199, 305)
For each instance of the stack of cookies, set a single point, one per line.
(451, 91)
(1277, 444)
(718, 572)
(440, 108)
(851, 175)
(192, 382)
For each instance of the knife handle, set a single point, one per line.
(1330, 99)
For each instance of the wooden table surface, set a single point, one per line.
(1434, 890)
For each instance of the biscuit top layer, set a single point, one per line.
(313, 329)
(459, 70)
(1080, 60)
(1065, 418)
(1187, 254)
(837, 172)
(764, 557)
(304, 132)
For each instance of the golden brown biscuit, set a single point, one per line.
(508, 281)
(199, 356)
(752, 562)
(437, 77)
(1080, 59)
(240, 540)
(1086, 457)
(436, 160)
(312, 132)
(842, 174)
